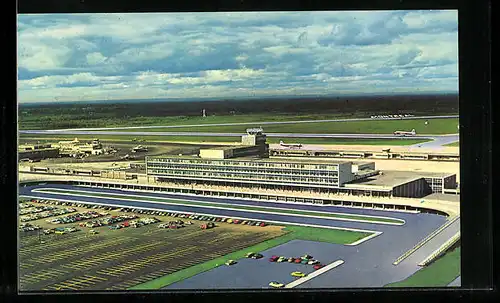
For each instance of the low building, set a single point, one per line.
(37, 151)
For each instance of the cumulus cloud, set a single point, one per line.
(198, 55)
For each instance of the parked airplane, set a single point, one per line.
(403, 133)
(297, 145)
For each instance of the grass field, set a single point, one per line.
(294, 232)
(435, 126)
(440, 273)
(229, 140)
(226, 206)
(454, 144)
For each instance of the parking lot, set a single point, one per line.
(121, 257)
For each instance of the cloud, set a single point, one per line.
(195, 55)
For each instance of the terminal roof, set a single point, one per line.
(390, 178)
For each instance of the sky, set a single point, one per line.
(84, 57)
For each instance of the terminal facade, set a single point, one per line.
(249, 166)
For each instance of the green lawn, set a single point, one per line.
(48, 121)
(454, 144)
(373, 219)
(294, 232)
(229, 140)
(435, 126)
(439, 273)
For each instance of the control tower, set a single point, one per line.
(254, 136)
(253, 144)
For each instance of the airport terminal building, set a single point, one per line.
(249, 166)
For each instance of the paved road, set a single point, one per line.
(367, 265)
(263, 123)
(456, 282)
(438, 141)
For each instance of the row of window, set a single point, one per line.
(265, 177)
(243, 163)
(248, 170)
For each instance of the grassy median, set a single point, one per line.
(434, 126)
(454, 144)
(439, 273)
(294, 232)
(226, 206)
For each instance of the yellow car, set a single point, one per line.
(298, 274)
(276, 284)
(230, 262)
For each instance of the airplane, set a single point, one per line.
(290, 145)
(403, 133)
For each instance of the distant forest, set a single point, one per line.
(338, 106)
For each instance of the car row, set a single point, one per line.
(35, 209)
(28, 227)
(107, 221)
(306, 260)
(23, 205)
(77, 217)
(143, 221)
(46, 214)
(60, 230)
(216, 219)
(74, 204)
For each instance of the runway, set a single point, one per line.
(261, 123)
(437, 141)
(212, 134)
(368, 264)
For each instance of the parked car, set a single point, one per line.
(298, 274)
(276, 284)
(230, 262)
(273, 259)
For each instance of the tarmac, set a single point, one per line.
(368, 264)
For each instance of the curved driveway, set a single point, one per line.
(368, 264)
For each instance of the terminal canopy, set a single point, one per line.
(255, 131)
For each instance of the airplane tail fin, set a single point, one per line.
(413, 131)
(281, 142)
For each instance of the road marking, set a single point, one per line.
(314, 274)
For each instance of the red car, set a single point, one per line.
(262, 224)
(318, 266)
(273, 258)
(297, 260)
